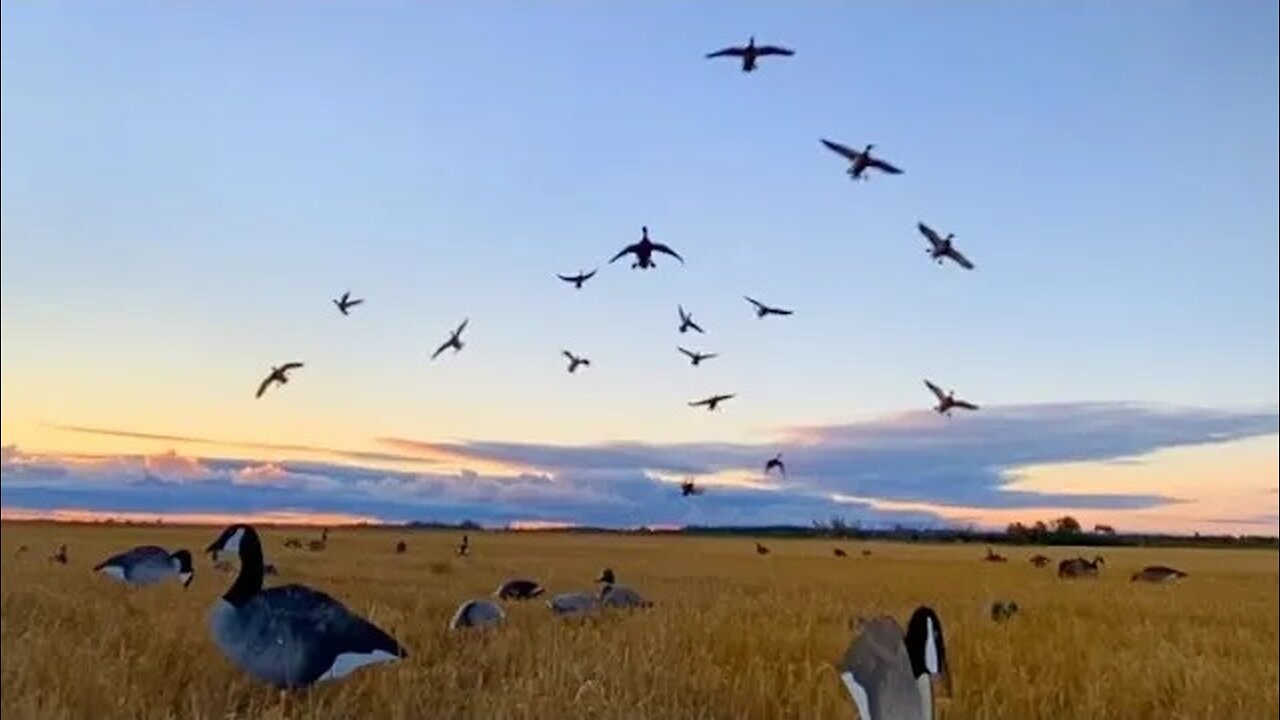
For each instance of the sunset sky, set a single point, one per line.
(185, 186)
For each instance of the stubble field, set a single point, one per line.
(732, 634)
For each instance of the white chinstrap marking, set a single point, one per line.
(859, 695)
(346, 663)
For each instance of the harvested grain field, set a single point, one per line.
(732, 634)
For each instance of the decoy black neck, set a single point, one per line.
(249, 582)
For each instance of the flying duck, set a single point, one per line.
(518, 589)
(454, 341)
(1157, 574)
(477, 613)
(712, 402)
(947, 400)
(763, 310)
(577, 280)
(644, 251)
(889, 674)
(943, 247)
(686, 321)
(696, 358)
(860, 162)
(148, 564)
(574, 360)
(289, 636)
(278, 375)
(346, 302)
(750, 53)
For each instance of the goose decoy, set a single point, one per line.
(763, 310)
(751, 53)
(401, 547)
(464, 547)
(289, 636)
(993, 556)
(569, 604)
(577, 280)
(321, 544)
(712, 402)
(59, 557)
(346, 302)
(689, 487)
(1002, 611)
(943, 247)
(454, 341)
(889, 674)
(839, 553)
(1040, 560)
(1080, 568)
(860, 162)
(618, 596)
(293, 542)
(477, 613)
(866, 553)
(575, 360)
(518, 589)
(775, 463)
(22, 550)
(761, 550)
(696, 358)
(644, 251)
(1157, 574)
(148, 564)
(686, 321)
(279, 374)
(947, 400)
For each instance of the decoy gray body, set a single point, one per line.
(279, 375)
(477, 613)
(860, 162)
(1157, 574)
(289, 636)
(750, 53)
(148, 564)
(890, 674)
(1080, 568)
(644, 251)
(518, 589)
(574, 603)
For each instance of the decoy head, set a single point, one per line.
(229, 540)
(186, 571)
(926, 647)
(606, 576)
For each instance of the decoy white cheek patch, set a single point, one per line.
(113, 571)
(185, 577)
(233, 543)
(930, 647)
(345, 663)
(859, 695)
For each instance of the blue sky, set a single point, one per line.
(185, 186)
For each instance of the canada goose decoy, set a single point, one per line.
(943, 247)
(289, 636)
(644, 251)
(454, 341)
(1079, 568)
(696, 358)
(464, 547)
(1040, 560)
(775, 463)
(686, 321)
(839, 553)
(569, 604)
(1157, 574)
(518, 589)
(148, 564)
(689, 487)
(866, 553)
(712, 402)
(860, 162)
(577, 280)
(401, 547)
(889, 674)
(993, 556)
(761, 550)
(618, 596)
(947, 400)
(750, 53)
(574, 360)
(346, 302)
(59, 557)
(1002, 611)
(321, 544)
(279, 375)
(293, 542)
(477, 613)
(763, 310)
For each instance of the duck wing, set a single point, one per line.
(960, 259)
(846, 152)
(937, 391)
(632, 248)
(659, 247)
(930, 234)
(882, 165)
(774, 50)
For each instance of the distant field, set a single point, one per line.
(733, 635)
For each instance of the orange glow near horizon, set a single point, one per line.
(274, 517)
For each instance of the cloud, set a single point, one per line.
(903, 469)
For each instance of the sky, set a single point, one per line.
(185, 187)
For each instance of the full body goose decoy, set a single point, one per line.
(346, 302)
(1040, 560)
(761, 550)
(947, 401)
(518, 589)
(838, 552)
(763, 310)
(644, 251)
(943, 247)
(1080, 568)
(401, 547)
(477, 613)
(1157, 574)
(59, 557)
(321, 544)
(148, 564)
(695, 358)
(577, 280)
(464, 547)
(618, 596)
(454, 341)
(279, 375)
(289, 636)
(890, 674)
(775, 463)
(995, 557)
(575, 360)
(860, 162)
(686, 321)
(578, 603)
(750, 53)
(712, 402)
